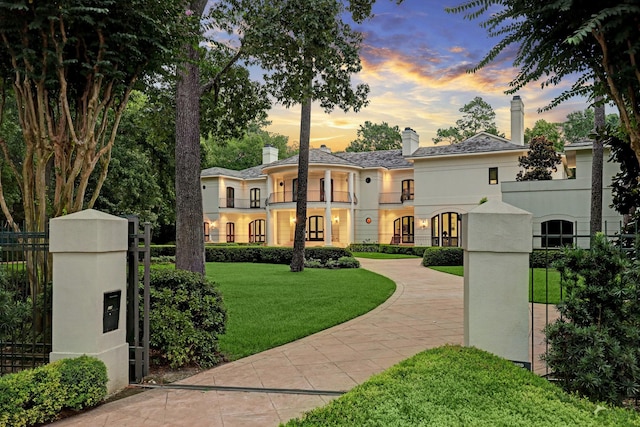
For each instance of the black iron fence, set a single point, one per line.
(546, 287)
(25, 300)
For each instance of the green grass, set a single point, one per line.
(268, 306)
(539, 283)
(456, 386)
(380, 255)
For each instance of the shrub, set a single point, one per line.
(348, 262)
(594, 345)
(187, 315)
(543, 258)
(364, 247)
(85, 380)
(441, 256)
(38, 395)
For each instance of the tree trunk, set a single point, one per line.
(189, 213)
(595, 225)
(297, 261)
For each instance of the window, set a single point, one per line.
(294, 190)
(403, 229)
(231, 195)
(257, 231)
(493, 176)
(206, 231)
(557, 233)
(315, 229)
(407, 190)
(254, 195)
(445, 229)
(322, 198)
(231, 232)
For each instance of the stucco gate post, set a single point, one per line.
(89, 282)
(497, 242)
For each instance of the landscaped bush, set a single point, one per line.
(364, 247)
(543, 258)
(594, 345)
(442, 256)
(162, 250)
(403, 250)
(387, 249)
(187, 315)
(342, 262)
(457, 386)
(38, 395)
(270, 254)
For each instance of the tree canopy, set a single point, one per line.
(548, 130)
(595, 41)
(477, 116)
(72, 65)
(539, 161)
(374, 137)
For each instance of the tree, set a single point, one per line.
(310, 54)
(625, 185)
(593, 346)
(478, 116)
(539, 161)
(72, 66)
(595, 222)
(374, 137)
(597, 42)
(579, 125)
(245, 152)
(548, 130)
(189, 213)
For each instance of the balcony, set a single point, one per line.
(229, 202)
(312, 196)
(395, 198)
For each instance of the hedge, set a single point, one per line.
(542, 258)
(442, 256)
(38, 395)
(387, 249)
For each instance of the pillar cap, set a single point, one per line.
(496, 226)
(88, 231)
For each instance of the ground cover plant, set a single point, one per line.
(457, 386)
(268, 306)
(544, 286)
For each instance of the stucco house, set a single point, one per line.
(414, 195)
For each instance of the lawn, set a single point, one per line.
(541, 276)
(457, 386)
(268, 306)
(380, 255)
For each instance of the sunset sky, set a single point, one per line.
(415, 57)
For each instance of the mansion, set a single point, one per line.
(410, 196)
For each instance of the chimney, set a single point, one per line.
(517, 121)
(325, 149)
(410, 141)
(269, 154)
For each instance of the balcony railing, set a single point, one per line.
(229, 202)
(312, 196)
(395, 198)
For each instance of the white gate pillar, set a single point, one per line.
(497, 242)
(89, 291)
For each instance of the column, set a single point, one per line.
(89, 291)
(327, 208)
(497, 240)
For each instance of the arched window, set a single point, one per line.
(315, 229)
(231, 232)
(257, 230)
(445, 229)
(557, 233)
(403, 229)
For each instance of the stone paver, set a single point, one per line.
(425, 311)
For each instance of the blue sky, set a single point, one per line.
(415, 57)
